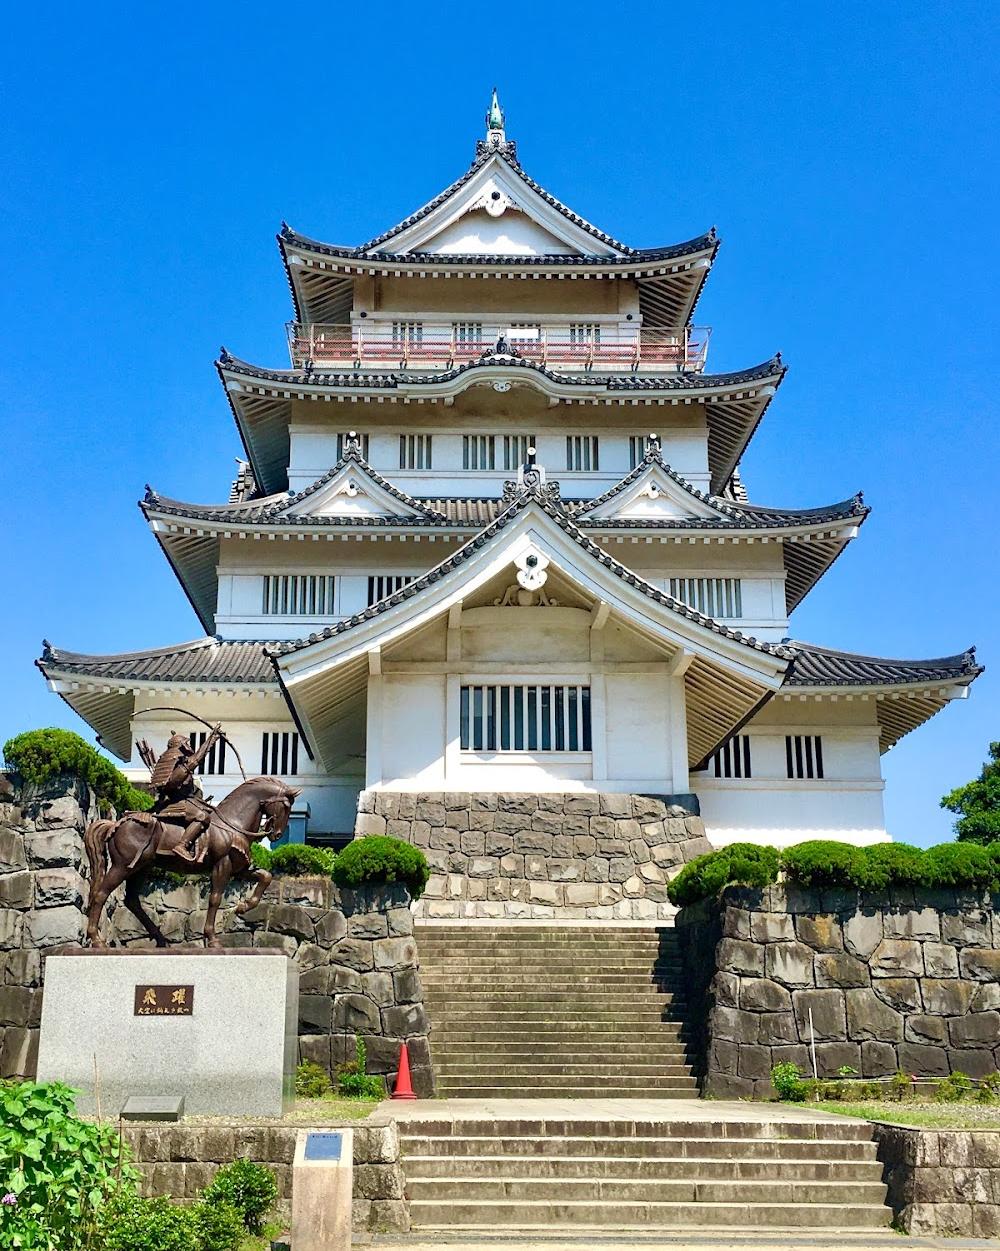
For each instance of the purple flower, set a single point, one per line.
(10, 1199)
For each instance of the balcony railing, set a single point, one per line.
(416, 345)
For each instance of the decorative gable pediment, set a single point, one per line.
(349, 490)
(651, 493)
(495, 212)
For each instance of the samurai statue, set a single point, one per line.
(179, 800)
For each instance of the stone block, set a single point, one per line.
(736, 923)
(863, 933)
(878, 1059)
(869, 1019)
(512, 866)
(12, 854)
(523, 804)
(771, 927)
(739, 956)
(483, 867)
(754, 1062)
(980, 964)
(315, 1013)
(946, 996)
(839, 968)
(633, 887)
(620, 868)
(612, 805)
(976, 1030)
(833, 1056)
(405, 1020)
(400, 921)
(355, 1014)
(920, 923)
(315, 981)
(986, 997)
(940, 960)
(922, 1060)
(725, 988)
(777, 1029)
(734, 1024)
(55, 849)
(723, 1056)
(354, 953)
(791, 964)
(581, 805)
(969, 927)
(15, 890)
(22, 968)
(797, 1053)
(369, 823)
(545, 893)
(648, 807)
(820, 931)
(430, 810)
(533, 841)
(895, 957)
(536, 868)
(971, 1063)
(667, 855)
(928, 1030)
(54, 927)
(901, 993)
(827, 1014)
(368, 925)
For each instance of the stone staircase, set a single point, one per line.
(522, 1011)
(572, 1174)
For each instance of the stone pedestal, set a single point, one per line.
(322, 1186)
(217, 1029)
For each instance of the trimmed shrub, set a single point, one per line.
(377, 859)
(218, 1226)
(248, 1187)
(824, 862)
(961, 864)
(134, 1224)
(312, 1081)
(352, 1080)
(787, 1081)
(302, 860)
(744, 864)
(892, 864)
(40, 755)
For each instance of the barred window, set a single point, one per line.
(581, 452)
(215, 761)
(479, 451)
(468, 333)
(732, 760)
(525, 718)
(804, 755)
(515, 449)
(636, 449)
(279, 752)
(381, 585)
(299, 595)
(342, 442)
(585, 333)
(715, 597)
(415, 451)
(405, 333)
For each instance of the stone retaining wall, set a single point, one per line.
(359, 969)
(904, 979)
(542, 856)
(179, 1160)
(944, 1181)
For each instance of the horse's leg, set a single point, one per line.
(222, 870)
(263, 881)
(133, 902)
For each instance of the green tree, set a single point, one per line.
(977, 803)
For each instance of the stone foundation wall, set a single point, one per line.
(179, 1160)
(901, 980)
(538, 856)
(359, 968)
(944, 1182)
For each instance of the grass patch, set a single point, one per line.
(928, 1115)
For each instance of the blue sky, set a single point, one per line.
(848, 154)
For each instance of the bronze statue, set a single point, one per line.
(185, 834)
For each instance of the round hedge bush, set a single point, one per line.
(824, 862)
(745, 864)
(377, 859)
(40, 755)
(892, 864)
(295, 859)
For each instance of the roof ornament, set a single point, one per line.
(496, 134)
(652, 449)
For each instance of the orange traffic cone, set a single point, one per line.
(403, 1088)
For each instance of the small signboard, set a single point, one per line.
(323, 1146)
(163, 1000)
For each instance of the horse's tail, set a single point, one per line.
(95, 839)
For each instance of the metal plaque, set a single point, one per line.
(164, 1000)
(323, 1146)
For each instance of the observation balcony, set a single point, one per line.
(418, 345)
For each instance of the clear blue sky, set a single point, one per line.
(848, 154)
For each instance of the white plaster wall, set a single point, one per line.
(412, 731)
(637, 726)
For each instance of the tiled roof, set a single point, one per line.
(373, 248)
(563, 520)
(822, 666)
(611, 382)
(207, 659)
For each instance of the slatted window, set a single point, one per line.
(342, 445)
(636, 449)
(407, 333)
(479, 451)
(732, 760)
(415, 451)
(581, 452)
(715, 597)
(515, 449)
(299, 595)
(585, 333)
(468, 333)
(381, 585)
(279, 752)
(215, 762)
(525, 718)
(804, 755)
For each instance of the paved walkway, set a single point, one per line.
(605, 1110)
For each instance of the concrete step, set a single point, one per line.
(517, 1051)
(524, 1214)
(676, 1150)
(838, 1130)
(470, 1188)
(636, 1167)
(562, 1069)
(602, 1091)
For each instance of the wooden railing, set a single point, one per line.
(424, 345)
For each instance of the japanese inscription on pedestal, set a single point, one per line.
(164, 1000)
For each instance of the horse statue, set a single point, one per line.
(124, 850)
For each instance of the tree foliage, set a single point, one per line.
(977, 803)
(41, 755)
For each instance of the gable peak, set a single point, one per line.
(496, 133)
